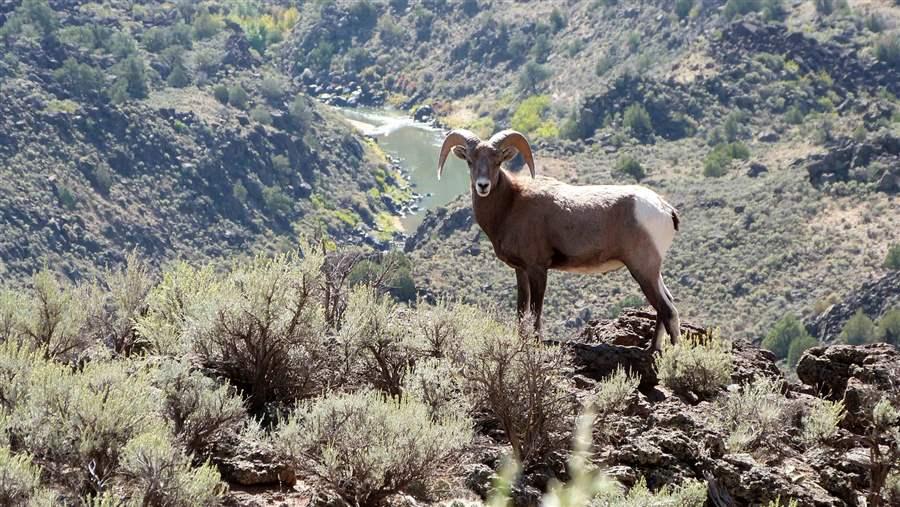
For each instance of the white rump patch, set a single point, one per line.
(655, 217)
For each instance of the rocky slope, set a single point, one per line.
(666, 438)
(227, 158)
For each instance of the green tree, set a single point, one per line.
(531, 76)
(631, 167)
(892, 260)
(798, 347)
(786, 331)
(34, 14)
(859, 330)
(637, 120)
(889, 326)
(238, 97)
(78, 78)
(131, 75)
(179, 76)
(683, 8)
(206, 25)
(220, 92)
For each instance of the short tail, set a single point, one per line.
(675, 219)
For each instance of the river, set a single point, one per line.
(416, 145)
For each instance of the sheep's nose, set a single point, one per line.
(482, 187)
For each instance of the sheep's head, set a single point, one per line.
(484, 157)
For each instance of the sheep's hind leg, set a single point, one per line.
(673, 323)
(655, 294)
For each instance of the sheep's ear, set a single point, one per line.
(461, 152)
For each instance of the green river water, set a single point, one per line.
(416, 145)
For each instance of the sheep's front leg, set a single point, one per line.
(538, 282)
(523, 297)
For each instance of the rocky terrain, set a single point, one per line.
(666, 438)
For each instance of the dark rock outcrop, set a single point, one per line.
(859, 375)
(873, 161)
(604, 345)
(873, 298)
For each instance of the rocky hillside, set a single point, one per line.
(772, 127)
(166, 129)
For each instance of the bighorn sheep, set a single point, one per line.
(541, 224)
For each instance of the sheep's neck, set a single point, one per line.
(490, 211)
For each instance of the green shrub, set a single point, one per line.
(756, 411)
(887, 49)
(19, 477)
(503, 368)
(131, 80)
(380, 346)
(208, 60)
(822, 420)
(80, 79)
(31, 16)
(161, 474)
(824, 7)
(719, 159)
(54, 318)
(695, 365)
(531, 76)
(178, 298)
(199, 411)
(614, 392)
(683, 8)
(889, 326)
(629, 166)
(261, 114)
(271, 89)
(121, 45)
(115, 301)
(798, 347)
(276, 201)
(179, 76)
(220, 92)
(530, 118)
(365, 447)
(794, 115)
(206, 25)
(740, 7)
(437, 383)
(858, 330)
(238, 97)
(557, 20)
(892, 260)
(263, 329)
(637, 120)
(78, 422)
(786, 331)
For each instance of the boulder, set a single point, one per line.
(857, 374)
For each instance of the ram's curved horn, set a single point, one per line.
(511, 138)
(458, 137)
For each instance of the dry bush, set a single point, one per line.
(180, 296)
(199, 411)
(161, 474)
(19, 477)
(446, 327)
(264, 330)
(701, 366)
(437, 383)
(822, 420)
(379, 346)
(53, 317)
(749, 415)
(116, 301)
(613, 393)
(76, 423)
(521, 384)
(367, 446)
(883, 441)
